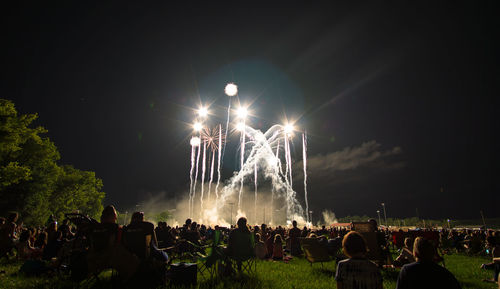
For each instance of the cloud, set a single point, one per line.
(367, 156)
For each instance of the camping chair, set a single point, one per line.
(375, 252)
(314, 251)
(208, 262)
(242, 258)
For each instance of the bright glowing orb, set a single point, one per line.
(195, 141)
(197, 126)
(231, 89)
(242, 112)
(203, 112)
(240, 126)
(288, 128)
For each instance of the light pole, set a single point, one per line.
(125, 220)
(378, 213)
(385, 215)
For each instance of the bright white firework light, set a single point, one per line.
(242, 112)
(288, 128)
(231, 89)
(197, 126)
(240, 126)
(203, 112)
(195, 141)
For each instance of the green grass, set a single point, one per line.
(295, 274)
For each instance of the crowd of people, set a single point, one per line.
(87, 246)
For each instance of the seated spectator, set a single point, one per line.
(278, 248)
(406, 255)
(425, 273)
(357, 272)
(164, 236)
(8, 234)
(260, 247)
(140, 239)
(240, 245)
(41, 240)
(495, 265)
(25, 250)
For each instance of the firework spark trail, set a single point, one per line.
(304, 160)
(211, 175)
(195, 180)
(225, 133)
(203, 168)
(218, 164)
(289, 162)
(277, 170)
(242, 162)
(191, 176)
(255, 184)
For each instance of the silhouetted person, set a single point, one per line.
(425, 273)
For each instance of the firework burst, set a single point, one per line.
(212, 136)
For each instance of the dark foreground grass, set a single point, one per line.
(295, 274)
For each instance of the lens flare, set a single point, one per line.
(203, 112)
(288, 128)
(240, 126)
(197, 126)
(242, 112)
(231, 89)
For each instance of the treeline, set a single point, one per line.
(32, 182)
(424, 223)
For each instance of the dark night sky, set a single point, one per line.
(408, 87)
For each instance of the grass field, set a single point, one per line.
(295, 274)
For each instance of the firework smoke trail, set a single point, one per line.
(218, 163)
(211, 174)
(255, 184)
(191, 176)
(304, 160)
(203, 168)
(242, 162)
(195, 180)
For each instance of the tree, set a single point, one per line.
(31, 181)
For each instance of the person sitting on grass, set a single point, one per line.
(25, 249)
(278, 248)
(357, 272)
(425, 273)
(495, 265)
(260, 247)
(406, 255)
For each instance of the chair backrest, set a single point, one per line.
(137, 242)
(314, 250)
(374, 252)
(243, 245)
(103, 236)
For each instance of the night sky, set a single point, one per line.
(397, 99)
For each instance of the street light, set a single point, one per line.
(385, 215)
(378, 213)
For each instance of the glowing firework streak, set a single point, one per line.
(195, 180)
(194, 143)
(255, 185)
(203, 167)
(242, 162)
(218, 163)
(304, 160)
(211, 174)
